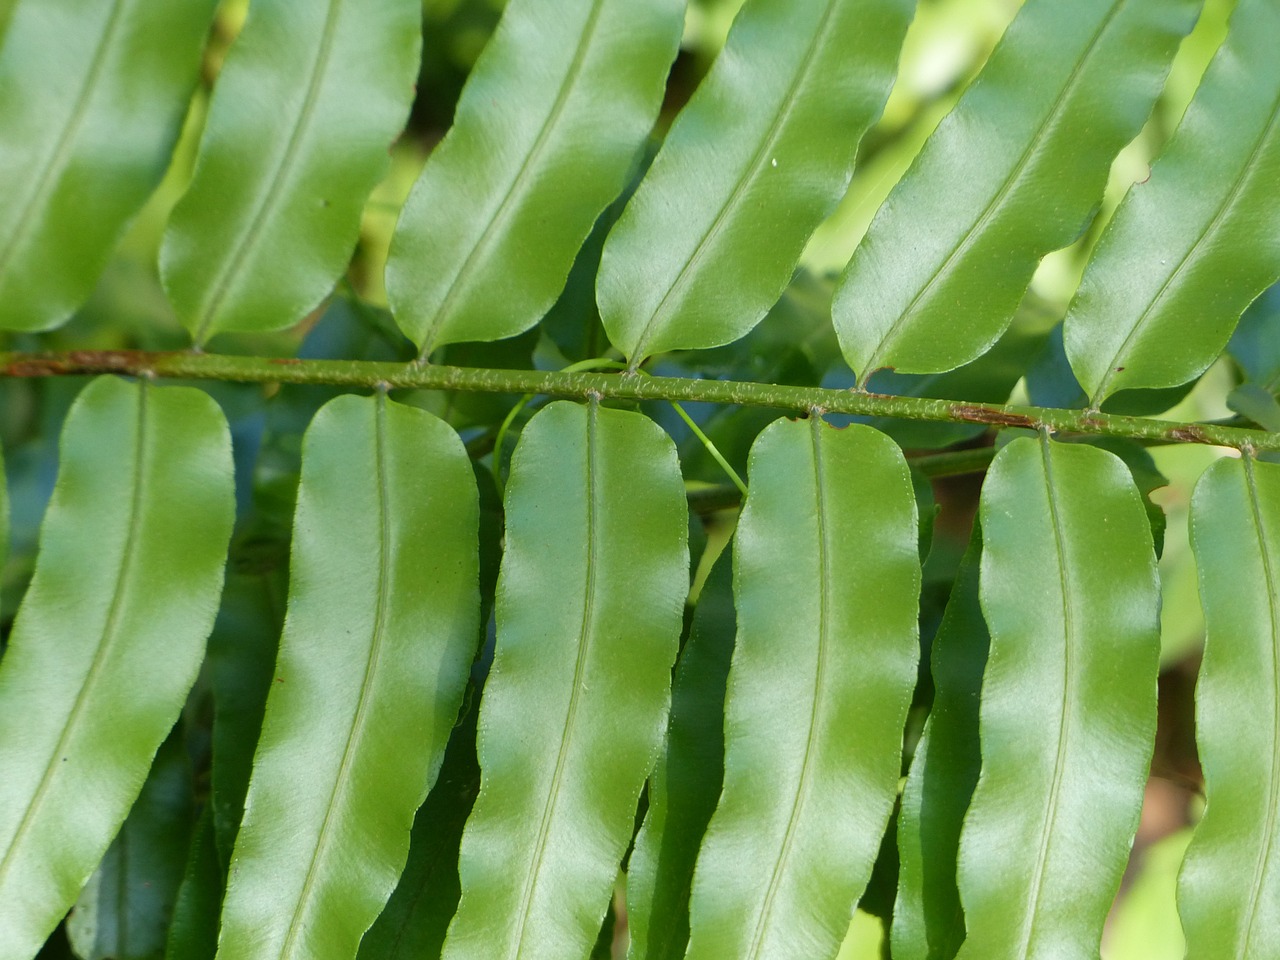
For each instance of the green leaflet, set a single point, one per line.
(92, 97)
(549, 125)
(4, 512)
(193, 932)
(760, 155)
(309, 99)
(1229, 889)
(685, 785)
(1012, 173)
(123, 913)
(928, 923)
(1070, 595)
(827, 582)
(1191, 247)
(109, 636)
(589, 613)
(377, 643)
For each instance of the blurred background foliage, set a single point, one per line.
(947, 45)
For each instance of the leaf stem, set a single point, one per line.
(580, 385)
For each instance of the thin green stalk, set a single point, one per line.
(801, 400)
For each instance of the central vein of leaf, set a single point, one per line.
(586, 634)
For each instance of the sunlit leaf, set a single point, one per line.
(1193, 245)
(589, 611)
(1070, 595)
(1013, 172)
(757, 159)
(548, 127)
(92, 97)
(1229, 889)
(309, 99)
(109, 637)
(826, 580)
(378, 639)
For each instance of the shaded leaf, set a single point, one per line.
(685, 785)
(589, 613)
(1256, 342)
(378, 639)
(92, 98)
(109, 637)
(193, 934)
(1194, 244)
(1229, 888)
(827, 580)
(548, 127)
(1071, 598)
(308, 101)
(123, 913)
(928, 922)
(758, 158)
(1015, 171)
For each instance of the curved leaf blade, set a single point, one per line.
(760, 155)
(1014, 172)
(827, 582)
(109, 636)
(308, 101)
(928, 922)
(589, 612)
(1190, 248)
(685, 785)
(549, 125)
(92, 98)
(1070, 594)
(1229, 885)
(378, 641)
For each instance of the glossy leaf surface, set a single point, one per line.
(928, 922)
(550, 123)
(827, 581)
(1070, 595)
(92, 97)
(378, 640)
(124, 911)
(309, 99)
(1013, 172)
(1192, 246)
(685, 785)
(1229, 888)
(589, 613)
(760, 155)
(109, 636)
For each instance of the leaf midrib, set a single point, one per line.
(106, 645)
(1050, 123)
(586, 634)
(1272, 587)
(504, 211)
(819, 695)
(57, 158)
(783, 114)
(355, 735)
(232, 266)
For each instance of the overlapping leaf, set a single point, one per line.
(1229, 889)
(109, 637)
(550, 123)
(1192, 246)
(760, 155)
(309, 99)
(826, 580)
(92, 97)
(378, 640)
(928, 922)
(589, 611)
(685, 785)
(1012, 173)
(1070, 595)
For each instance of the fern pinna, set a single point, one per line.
(519, 656)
